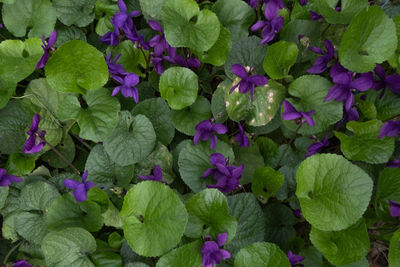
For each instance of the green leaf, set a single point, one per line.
(78, 12)
(269, 150)
(251, 158)
(209, 215)
(7, 89)
(279, 59)
(115, 240)
(348, 9)
(342, 247)
(187, 255)
(388, 189)
(195, 160)
(106, 258)
(3, 196)
(368, 109)
(99, 197)
(312, 257)
(38, 16)
(179, 87)
(65, 34)
(65, 211)
(239, 23)
(31, 227)
(66, 148)
(104, 172)
(185, 120)
(19, 165)
(132, 140)
(75, 243)
(185, 25)
(364, 144)
(394, 250)
(279, 222)
(258, 112)
(152, 9)
(218, 106)
(251, 224)
(311, 91)
(261, 254)
(333, 193)
(387, 106)
(154, 218)
(19, 59)
(266, 182)
(369, 39)
(219, 52)
(43, 96)
(75, 67)
(13, 123)
(98, 120)
(112, 217)
(158, 112)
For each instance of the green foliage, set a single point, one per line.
(186, 255)
(279, 59)
(266, 182)
(261, 254)
(394, 250)
(388, 189)
(279, 223)
(347, 11)
(77, 12)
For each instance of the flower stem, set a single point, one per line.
(63, 158)
(147, 61)
(11, 251)
(288, 145)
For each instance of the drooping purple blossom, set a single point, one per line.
(293, 258)
(206, 130)
(79, 188)
(387, 81)
(345, 85)
(22, 263)
(227, 177)
(318, 146)
(212, 254)
(242, 138)
(158, 42)
(36, 141)
(315, 16)
(247, 83)
(393, 163)
(156, 176)
(47, 49)
(394, 208)
(128, 86)
(390, 128)
(113, 68)
(269, 28)
(7, 179)
(290, 113)
(321, 63)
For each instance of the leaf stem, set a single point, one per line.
(147, 61)
(11, 251)
(288, 145)
(63, 158)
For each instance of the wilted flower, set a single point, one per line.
(318, 146)
(206, 130)
(128, 86)
(47, 49)
(393, 164)
(212, 254)
(242, 138)
(321, 63)
(290, 113)
(390, 128)
(36, 141)
(22, 263)
(247, 83)
(293, 258)
(394, 208)
(7, 179)
(79, 189)
(157, 175)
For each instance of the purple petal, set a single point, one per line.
(71, 184)
(393, 82)
(258, 25)
(361, 84)
(131, 80)
(22, 263)
(122, 6)
(258, 80)
(239, 71)
(52, 39)
(217, 158)
(219, 128)
(88, 185)
(330, 49)
(157, 172)
(213, 142)
(337, 92)
(380, 71)
(390, 128)
(393, 164)
(84, 176)
(317, 50)
(320, 65)
(315, 16)
(155, 25)
(307, 116)
(394, 208)
(221, 239)
(208, 172)
(134, 13)
(80, 193)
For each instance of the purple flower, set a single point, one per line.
(157, 175)
(321, 63)
(272, 8)
(212, 254)
(394, 208)
(293, 258)
(303, 2)
(1, 25)
(290, 113)
(138, 40)
(393, 164)
(47, 49)
(247, 83)
(242, 138)
(158, 63)
(387, 81)
(269, 28)
(252, 3)
(22, 263)
(390, 128)
(344, 85)
(206, 130)
(158, 42)
(7, 179)
(79, 189)
(227, 177)
(123, 20)
(36, 141)
(111, 38)
(128, 86)
(297, 213)
(176, 59)
(318, 146)
(315, 16)
(114, 68)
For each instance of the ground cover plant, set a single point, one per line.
(199, 133)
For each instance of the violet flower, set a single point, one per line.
(318, 146)
(269, 28)
(272, 8)
(290, 113)
(297, 213)
(393, 164)
(390, 128)
(176, 59)
(7, 179)
(114, 68)
(247, 83)
(293, 258)
(242, 138)
(344, 85)
(394, 208)
(252, 3)
(111, 38)
(157, 175)
(158, 42)
(303, 2)
(47, 49)
(158, 64)
(321, 63)
(79, 189)
(123, 20)
(22, 263)
(227, 177)
(387, 81)
(36, 141)
(212, 254)
(138, 40)
(128, 86)
(206, 130)
(315, 16)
